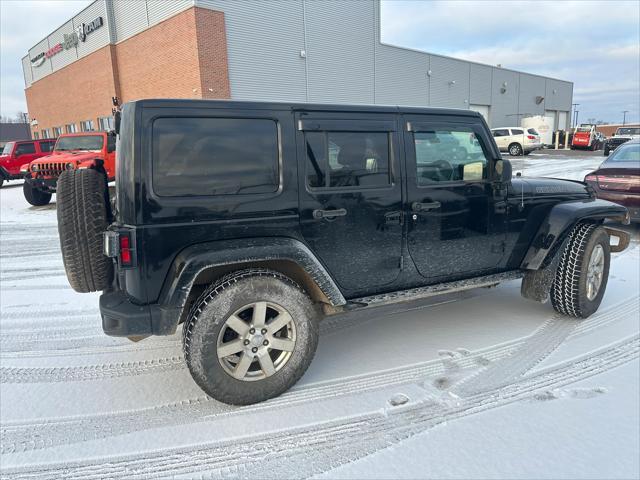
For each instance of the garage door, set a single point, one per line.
(552, 114)
(562, 120)
(482, 110)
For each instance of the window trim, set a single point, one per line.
(347, 189)
(208, 198)
(475, 129)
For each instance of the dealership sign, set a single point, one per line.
(69, 40)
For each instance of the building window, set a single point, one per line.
(70, 128)
(45, 133)
(36, 135)
(210, 156)
(105, 123)
(87, 126)
(57, 131)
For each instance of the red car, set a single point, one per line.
(618, 178)
(72, 150)
(15, 154)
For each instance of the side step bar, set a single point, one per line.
(433, 290)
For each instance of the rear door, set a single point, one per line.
(456, 222)
(350, 196)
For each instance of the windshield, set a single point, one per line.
(626, 153)
(584, 129)
(8, 147)
(84, 142)
(628, 131)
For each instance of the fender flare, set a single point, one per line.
(559, 222)
(194, 260)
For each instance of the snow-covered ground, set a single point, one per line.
(483, 384)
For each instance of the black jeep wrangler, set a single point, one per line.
(247, 222)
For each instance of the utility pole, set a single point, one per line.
(577, 112)
(574, 105)
(624, 116)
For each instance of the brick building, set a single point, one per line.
(320, 51)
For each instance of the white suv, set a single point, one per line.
(517, 140)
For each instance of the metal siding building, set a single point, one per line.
(324, 51)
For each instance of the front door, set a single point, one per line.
(351, 197)
(454, 228)
(501, 136)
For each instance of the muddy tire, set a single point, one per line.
(82, 219)
(583, 271)
(250, 336)
(35, 196)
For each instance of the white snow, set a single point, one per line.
(483, 384)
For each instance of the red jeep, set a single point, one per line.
(15, 154)
(73, 150)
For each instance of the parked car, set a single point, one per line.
(15, 154)
(622, 135)
(516, 140)
(71, 151)
(247, 222)
(585, 137)
(618, 178)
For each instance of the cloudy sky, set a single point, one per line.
(595, 44)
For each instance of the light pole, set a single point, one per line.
(624, 116)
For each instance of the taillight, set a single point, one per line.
(125, 250)
(531, 137)
(591, 178)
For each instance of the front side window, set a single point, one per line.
(80, 142)
(215, 156)
(25, 148)
(347, 159)
(500, 133)
(446, 155)
(46, 146)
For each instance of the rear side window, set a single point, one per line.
(214, 156)
(347, 159)
(46, 146)
(515, 131)
(24, 148)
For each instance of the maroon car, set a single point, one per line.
(618, 178)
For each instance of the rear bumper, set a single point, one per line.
(122, 318)
(632, 202)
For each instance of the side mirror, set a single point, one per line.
(504, 170)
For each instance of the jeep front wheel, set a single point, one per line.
(583, 271)
(250, 336)
(35, 196)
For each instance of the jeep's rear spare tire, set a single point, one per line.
(250, 336)
(82, 219)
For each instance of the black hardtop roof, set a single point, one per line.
(322, 107)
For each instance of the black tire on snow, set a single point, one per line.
(82, 219)
(35, 196)
(605, 152)
(209, 314)
(569, 288)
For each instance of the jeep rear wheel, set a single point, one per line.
(35, 196)
(583, 271)
(82, 219)
(250, 336)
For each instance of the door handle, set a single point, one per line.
(423, 207)
(329, 214)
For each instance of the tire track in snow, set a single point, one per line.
(309, 450)
(21, 436)
(131, 368)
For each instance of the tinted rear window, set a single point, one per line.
(532, 131)
(214, 156)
